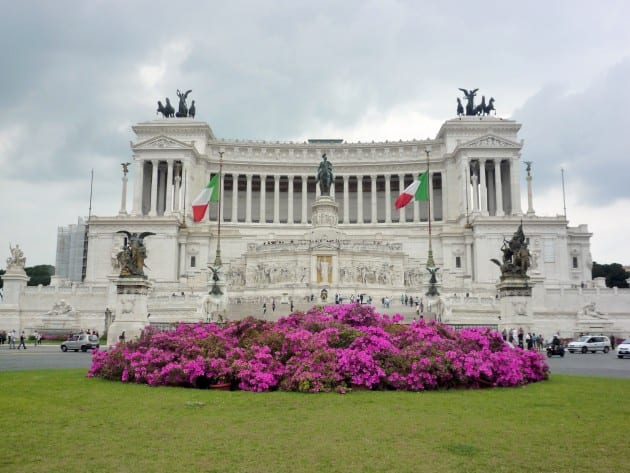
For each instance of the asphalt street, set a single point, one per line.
(51, 357)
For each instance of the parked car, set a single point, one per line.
(592, 343)
(80, 341)
(623, 349)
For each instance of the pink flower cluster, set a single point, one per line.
(333, 348)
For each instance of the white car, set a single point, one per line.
(590, 343)
(623, 349)
(80, 341)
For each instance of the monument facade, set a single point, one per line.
(292, 227)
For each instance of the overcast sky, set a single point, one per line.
(76, 75)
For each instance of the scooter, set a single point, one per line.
(555, 350)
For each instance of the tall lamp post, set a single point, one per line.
(431, 268)
(215, 290)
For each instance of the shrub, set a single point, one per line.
(325, 349)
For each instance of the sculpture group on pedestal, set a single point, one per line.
(183, 111)
(516, 256)
(471, 110)
(131, 257)
(17, 258)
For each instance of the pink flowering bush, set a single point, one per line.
(334, 348)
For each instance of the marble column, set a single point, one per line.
(483, 188)
(465, 202)
(123, 198)
(373, 197)
(234, 198)
(304, 216)
(154, 187)
(498, 187)
(263, 198)
(248, 199)
(475, 192)
(346, 200)
(161, 191)
(530, 199)
(276, 199)
(168, 207)
(290, 202)
(401, 188)
(388, 198)
(359, 199)
(178, 185)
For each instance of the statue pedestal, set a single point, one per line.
(325, 212)
(14, 283)
(131, 313)
(214, 304)
(515, 301)
(324, 243)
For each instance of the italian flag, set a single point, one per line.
(417, 190)
(209, 194)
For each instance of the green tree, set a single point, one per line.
(40, 274)
(614, 273)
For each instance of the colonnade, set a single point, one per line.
(263, 198)
(492, 189)
(363, 199)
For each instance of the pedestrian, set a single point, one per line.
(35, 335)
(612, 342)
(264, 307)
(273, 306)
(292, 305)
(22, 341)
(12, 340)
(521, 335)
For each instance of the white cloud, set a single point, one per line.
(76, 78)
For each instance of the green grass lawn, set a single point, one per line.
(61, 421)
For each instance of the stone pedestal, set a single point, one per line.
(214, 305)
(325, 212)
(14, 283)
(515, 301)
(324, 243)
(131, 314)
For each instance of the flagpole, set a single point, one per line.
(430, 262)
(217, 259)
(564, 199)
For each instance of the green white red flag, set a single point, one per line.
(417, 190)
(209, 194)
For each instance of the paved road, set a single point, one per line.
(51, 357)
(42, 357)
(591, 364)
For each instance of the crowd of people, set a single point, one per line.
(18, 341)
(522, 339)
